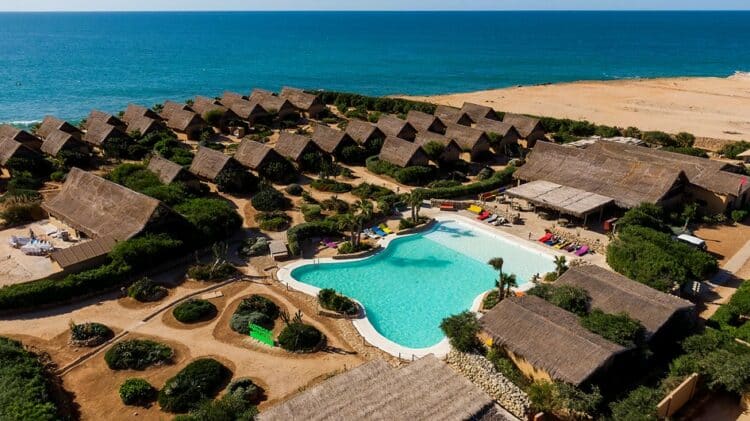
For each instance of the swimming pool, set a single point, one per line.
(408, 288)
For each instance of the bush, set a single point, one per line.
(137, 392)
(444, 183)
(506, 367)
(311, 212)
(259, 304)
(491, 299)
(639, 405)
(335, 204)
(618, 328)
(231, 407)
(329, 299)
(90, 334)
(300, 337)
(371, 191)
(377, 166)
(658, 138)
(415, 176)
(273, 221)
(194, 311)
(24, 180)
(199, 380)
(26, 385)
(384, 105)
(314, 162)
(294, 189)
(573, 299)
(236, 181)
(246, 389)
(212, 220)
(21, 213)
(211, 272)
(462, 330)
(686, 150)
(353, 155)
(279, 171)
(146, 290)
(329, 185)
(254, 246)
(348, 248)
(739, 215)
(497, 180)
(137, 354)
(299, 233)
(269, 199)
(731, 150)
(485, 173)
(240, 322)
(407, 223)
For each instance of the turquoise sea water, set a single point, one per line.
(418, 280)
(69, 63)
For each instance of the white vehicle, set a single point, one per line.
(693, 241)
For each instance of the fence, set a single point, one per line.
(678, 397)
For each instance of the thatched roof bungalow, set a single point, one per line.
(453, 115)
(98, 133)
(58, 140)
(478, 112)
(96, 117)
(424, 122)
(170, 107)
(209, 164)
(547, 342)
(474, 141)
(248, 111)
(294, 146)
(10, 148)
(309, 104)
(255, 155)
(186, 122)
(228, 98)
(363, 132)
(134, 112)
(272, 103)
(204, 105)
(84, 255)
(330, 140)
(145, 125)
(395, 127)
(452, 151)
(52, 123)
(530, 128)
(615, 293)
(101, 208)
(167, 171)
(402, 153)
(506, 136)
(422, 390)
(20, 136)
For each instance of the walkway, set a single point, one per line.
(724, 283)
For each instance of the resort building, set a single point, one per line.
(228, 98)
(451, 153)
(391, 125)
(364, 133)
(227, 118)
(10, 149)
(134, 112)
(145, 125)
(403, 153)
(98, 133)
(330, 140)
(507, 135)
(474, 141)
(58, 141)
(424, 122)
(630, 175)
(255, 155)
(168, 171)
(170, 107)
(547, 342)
(478, 112)
(187, 123)
(21, 136)
(97, 117)
(309, 104)
(51, 123)
(615, 293)
(294, 146)
(246, 110)
(208, 164)
(530, 128)
(452, 115)
(426, 389)
(273, 104)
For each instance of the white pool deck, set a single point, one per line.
(363, 325)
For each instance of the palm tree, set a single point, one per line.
(561, 265)
(509, 281)
(497, 264)
(363, 210)
(348, 222)
(415, 201)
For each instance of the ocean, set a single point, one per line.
(68, 63)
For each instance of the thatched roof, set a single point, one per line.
(426, 389)
(253, 154)
(363, 131)
(549, 338)
(524, 124)
(228, 98)
(271, 102)
(394, 126)
(568, 200)
(424, 122)
(166, 170)
(403, 153)
(182, 120)
(329, 139)
(144, 125)
(452, 115)
(170, 107)
(98, 207)
(10, 148)
(293, 146)
(478, 112)
(21, 136)
(98, 132)
(247, 110)
(135, 112)
(614, 293)
(470, 139)
(301, 99)
(96, 116)
(83, 252)
(56, 141)
(499, 127)
(209, 163)
(52, 123)
(203, 104)
(452, 149)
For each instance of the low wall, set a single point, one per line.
(482, 373)
(424, 227)
(358, 255)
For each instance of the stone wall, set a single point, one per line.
(482, 373)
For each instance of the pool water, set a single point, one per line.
(417, 281)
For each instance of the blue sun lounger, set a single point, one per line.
(378, 231)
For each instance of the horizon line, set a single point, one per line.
(364, 11)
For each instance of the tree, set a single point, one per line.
(510, 281)
(497, 264)
(462, 330)
(434, 151)
(561, 265)
(639, 405)
(363, 210)
(415, 201)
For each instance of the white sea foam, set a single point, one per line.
(21, 123)
(740, 75)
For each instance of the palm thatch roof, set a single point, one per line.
(394, 126)
(135, 112)
(96, 116)
(614, 293)
(469, 139)
(272, 103)
(57, 140)
(170, 107)
(302, 100)
(83, 252)
(203, 104)
(183, 120)
(565, 199)
(424, 122)
(525, 125)
(478, 112)
(52, 123)
(228, 98)
(247, 110)
(331, 140)
(166, 170)
(501, 128)
(452, 115)
(209, 163)
(253, 155)
(10, 148)
(549, 338)
(363, 132)
(403, 153)
(294, 146)
(21, 136)
(145, 125)
(99, 208)
(423, 390)
(452, 150)
(99, 132)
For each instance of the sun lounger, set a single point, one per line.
(368, 232)
(447, 207)
(562, 244)
(582, 251)
(385, 229)
(545, 237)
(552, 241)
(484, 215)
(474, 209)
(500, 221)
(378, 231)
(491, 219)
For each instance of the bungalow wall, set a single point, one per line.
(710, 203)
(528, 370)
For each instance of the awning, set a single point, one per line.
(567, 200)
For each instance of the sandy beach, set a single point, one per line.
(708, 107)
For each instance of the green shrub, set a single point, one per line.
(194, 311)
(639, 405)
(269, 199)
(300, 337)
(377, 166)
(491, 299)
(415, 176)
(26, 385)
(231, 407)
(686, 150)
(24, 180)
(335, 204)
(444, 183)
(294, 189)
(138, 253)
(499, 179)
(21, 213)
(254, 246)
(273, 221)
(137, 354)
(462, 330)
(299, 233)
(330, 185)
(246, 389)
(91, 334)
(731, 150)
(618, 328)
(507, 367)
(658, 138)
(311, 212)
(329, 299)
(236, 180)
(384, 105)
(353, 155)
(212, 220)
(211, 272)
(314, 162)
(240, 322)
(58, 176)
(139, 392)
(739, 215)
(371, 191)
(259, 304)
(146, 290)
(199, 380)
(573, 299)
(279, 171)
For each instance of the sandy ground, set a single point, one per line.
(707, 107)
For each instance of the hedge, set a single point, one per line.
(211, 219)
(91, 333)
(499, 179)
(269, 199)
(25, 394)
(145, 290)
(137, 354)
(387, 105)
(331, 300)
(618, 328)
(329, 185)
(199, 380)
(299, 233)
(300, 337)
(255, 309)
(194, 310)
(136, 391)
